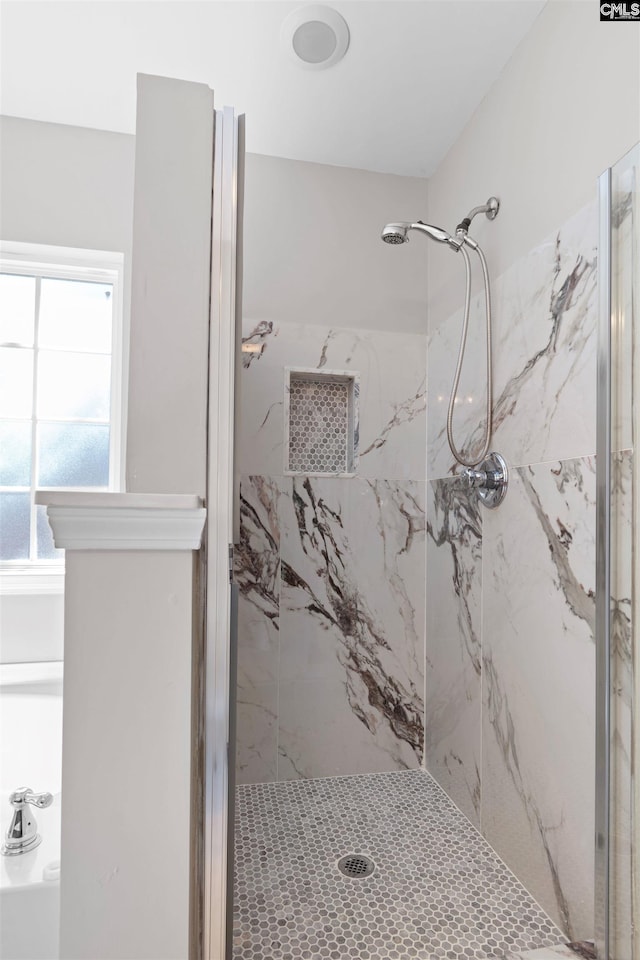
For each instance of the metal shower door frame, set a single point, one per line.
(617, 787)
(226, 266)
(603, 576)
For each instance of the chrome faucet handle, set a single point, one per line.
(26, 795)
(490, 480)
(475, 478)
(22, 835)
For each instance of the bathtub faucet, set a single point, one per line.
(22, 834)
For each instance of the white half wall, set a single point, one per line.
(127, 756)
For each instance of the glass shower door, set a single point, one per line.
(618, 528)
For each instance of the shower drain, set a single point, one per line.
(355, 865)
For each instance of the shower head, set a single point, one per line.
(397, 233)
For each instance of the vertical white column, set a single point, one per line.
(167, 413)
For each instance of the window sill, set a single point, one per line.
(34, 579)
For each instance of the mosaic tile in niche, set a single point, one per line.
(318, 426)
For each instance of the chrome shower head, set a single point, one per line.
(397, 233)
(436, 233)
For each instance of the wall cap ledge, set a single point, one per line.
(124, 521)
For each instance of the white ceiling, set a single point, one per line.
(414, 73)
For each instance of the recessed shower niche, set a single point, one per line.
(321, 422)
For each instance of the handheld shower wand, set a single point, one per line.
(397, 233)
(491, 482)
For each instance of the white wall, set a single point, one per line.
(565, 107)
(68, 187)
(312, 248)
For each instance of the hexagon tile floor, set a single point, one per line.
(438, 889)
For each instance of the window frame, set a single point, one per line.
(71, 263)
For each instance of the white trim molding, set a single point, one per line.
(36, 580)
(124, 521)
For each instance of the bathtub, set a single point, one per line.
(31, 756)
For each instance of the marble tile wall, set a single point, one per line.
(544, 318)
(510, 655)
(392, 370)
(332, 573)
(622, 704)
(538, 684)
(332, 569)
(454, 643)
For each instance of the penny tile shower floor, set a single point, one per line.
(438, 889)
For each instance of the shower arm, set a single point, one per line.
(490, 208)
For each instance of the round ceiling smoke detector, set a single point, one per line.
(315, 36)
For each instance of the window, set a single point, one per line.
(60, 389)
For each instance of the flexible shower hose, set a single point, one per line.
(476, 459)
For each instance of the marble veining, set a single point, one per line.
(351, 562)
(622, 205)
(257, 573)
(332, 568)
(331, 626)
(501, 718)
(258, 553)
(625, 239)
(457, 523)
(404, 412)
(571, 331)
(559, 537)
(544, 324)
(391, 369)
(538, 728)
(512, 741)
(345, 607)
(255, 342)
(622, 686)
(454, 651)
